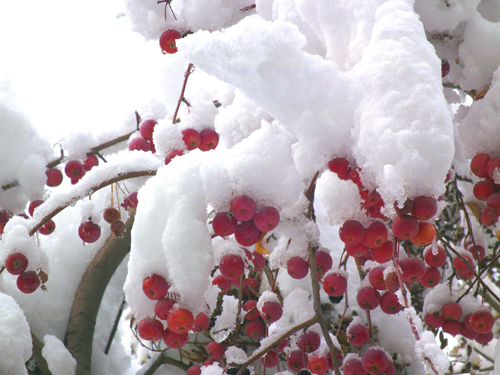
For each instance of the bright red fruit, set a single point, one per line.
(150, 329)
(270, 359)
(248, 283)
(461, 265)
(351, 232)
(425, 235)
(215, 350)
(483, 189)
(163, 307)
(255, 329)
(368, 298)
(435, 260)
(267, 219)
(406, 209)
(412, 269)
(375, 235)
(209, 139)
(247, 233)
(250, 307)
(54, 177)
(191, 138)
(340, 166)
(89, 231)
(28, 282)
(224, 224)
(357, 250)
(74, 169)
(324, 262)
(392, 281)
(383, 253)
(478, 252)
(180, 321)
(167, 41)
(452, 327)
(488, 217)
(357, 335)
(271, 311)
(297, 267)
(424, 207)
(493, 203)
(130, 201)
(484, 338)
(405, 227)
(353, 367)
(231, 266)
(139, 144)
(309, 342)
(492, 167)
(334, 284)
(201, 322)
(90, 162)
(222, 282)
(296, 360)
(478, 165)
(48, 228)
(318, 364)
(375, 360)
(481, 320)
(434, 320)
(389, 303)
(33, 205)
(431, 278)
(172, 155)
(452, 311)
(155, 287)
(194, 370)
(243, 208)
(146, 129)
(16, 263)
(111, 215)
(376, 278)
(175, 340)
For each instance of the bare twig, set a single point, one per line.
(115, 326)
(189, 70)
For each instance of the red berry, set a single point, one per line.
(483, 189)
(163, 307)
(296, 360)
(271, 311)
(368, 298)
(492, 167)
(340, 166)
(258, 260)
(383, 253)
(270, 359)
(172, 155)
(146, 129)
(467, 333)
(324, 262)
(493, 203)
(130, 201)
(461, 266)
(89, 231)
(431, 278)
(247, 233)
(412, 269)
(231, 266)
(351, 232)
(353, 367)
(406, 209)
(191, 138)
(194, 370)
(155, 287)
(357, 335)
(267, 219)
(215, 350)
(389, 303)
(484, 338)
(250, 283)
(222, 282)
(33, 205)
(309, 342)
(375, 235)
(255, 329)
(180, 321)
(435, 260)
(48, 228)
(209, 139)
(374, 360)
(175, 340)
(478, 252)
(405, 227)
(478, 165)
(74, 169)
(16, 263)
(452, 327)
(376, 278)
(250, 307)
(201, 322)
(111, 215)
(434, 320)
(357, 250)
(54, 177)
(452, 311)
(355, 177)
(28, 282)
(150, 329)
(297, 267)
(167, 41)
(334, 284)
(488, 217)
(243, 208)
(318, 364)
(139, 144)
(445, 68)
(392, 281)
(90, 162)
(481, 321)
(424, 207)
(224, 224)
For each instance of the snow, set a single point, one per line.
(15, 337)
(59, 359)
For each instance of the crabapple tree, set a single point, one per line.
(317, 192)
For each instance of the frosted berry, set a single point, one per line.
(90, 162)
(452, 327)
(54, 177)
(451, 311)
(47, 228)
(209, 139)
(357, 335)
(16, 263)
(267, 219)
(130, 201)
(118, 228)
(324, 262)
(368, 298)
(425, 235)
(74, 169)
(155, 287)
(173, 154)
(224, 224)
(167, 41)
(231, 266)
(375, 235)
(318, 364)
(139, 144)
(424, 207)
(374, 360)
(484, 338)
(405, 227)
(255, 329)
(297, 267)
(270, 359)
(431, 277)
(222, 282)
(412, 269)
(389, 303)
(483, 189)
(146, 129)
(406, 209)
(243, 208)
(250, 283)
(150, 329)
(353, 367)
(478, 252)
(376, 278)
(383, 253)
(481, 321)
(194, 370)
(351, 232)
(89, 231)
(163, 307)
(33, 205)
(392, 281)
(334, 284)
(478, 165)
(488, 217)
(201, 322)
(340, 166)
(247, 233)
(191, 138)
(271, 311)
(436, 259)
(180, 321)
(175, 340)
(434, 320)
(357, 250)
(250, 307)
(28, 282)
(296, 360)
(492, 167)
(309, 342)
(215, 350)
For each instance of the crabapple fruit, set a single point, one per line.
(389, 303)
(111, 215)
(412, 269)
(191, 138)
(383, 253)
(163, 307)
(425, 235)
(297, 267)
(250, 307)
(89, 231)
(340, 166)
(146, 129)
(180, 321)
(368, 298)
(481, 321)
(90, 162)
(243, 208)
(255, 329)
(167, 41)
(358, 335)
(48, 228)
(173, 154)
(247, 233)
(375, 235)
(351, 232)
(374, 360)
(201, 322)
(74, 169)
(405, 227)
(175, 340)
(215, 350)
(54, 177)
(266, 219)
(296, 360)
(334, 284)
(150, 329)
(431, 277)
(16, 263)
(271, 311)
(318, 364)
(424, 207)
(324, 262)
(155, 287)
(376, 278)
(309, 341)
(270, 359)
(222, 282)
(231, 266)
(224, 224)
(479, 164)
(28, 282)
(209, 139)
(33, 206)
(437, 259)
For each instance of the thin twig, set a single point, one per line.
(115, 326)
(181, 96)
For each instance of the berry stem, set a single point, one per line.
(189, 70)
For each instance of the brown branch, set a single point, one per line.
(276, 342)
(123, 138)
(250, 7)
(115, 327)
(181, 96)
(163, 359)
(120, 177)
(41, 362)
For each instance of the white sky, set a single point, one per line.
(75, 65)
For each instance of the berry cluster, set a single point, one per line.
(487, 190)
(27, 281)
(75, 169)
(245, 221)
